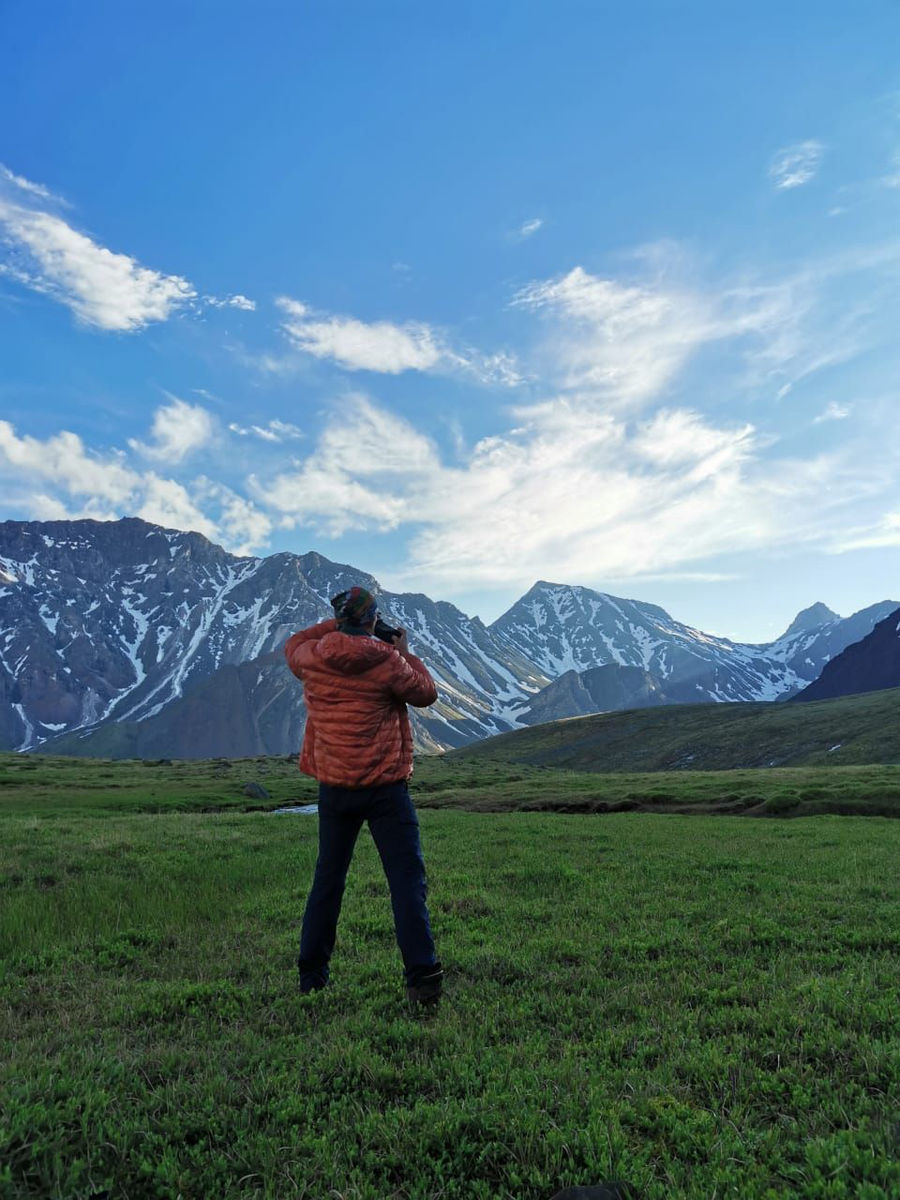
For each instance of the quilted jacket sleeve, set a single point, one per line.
(411, 681)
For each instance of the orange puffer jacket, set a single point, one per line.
(356, 691)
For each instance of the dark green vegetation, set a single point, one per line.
(42, 786)
(852, 730)
(704, 1007)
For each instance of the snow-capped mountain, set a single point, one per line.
(564, 628)
(126, 638)
(865, 666)
(108, 625)
(805, 647)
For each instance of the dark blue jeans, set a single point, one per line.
(395, 831)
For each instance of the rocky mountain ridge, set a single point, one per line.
(123, 637)
(869, 665)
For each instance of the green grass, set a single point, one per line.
(850, 731)
(706, 1007)
(44, 786)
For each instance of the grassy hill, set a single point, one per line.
(852, 730)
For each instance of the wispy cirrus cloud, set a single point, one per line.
(384, 347)
(272, 431)
(833, 412)
(877, 536)
(25, 185)
(610, 477)
(104, 289)
(583, 492)
(526, 230)
(380, 346)
(795, 165)
(625, 342)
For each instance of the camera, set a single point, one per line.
(385, 632)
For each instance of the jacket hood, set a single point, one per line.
(349, 654)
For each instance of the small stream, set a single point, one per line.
(311, 809)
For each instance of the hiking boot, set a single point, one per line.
(311, 983)
(425, 988)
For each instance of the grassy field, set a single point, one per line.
(706, 1007)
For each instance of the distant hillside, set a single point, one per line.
(702, 737)
(601, 689)
(869, 665)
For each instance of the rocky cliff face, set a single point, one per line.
(869, 665)
(123, 637)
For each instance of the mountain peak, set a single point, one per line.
(810, 618)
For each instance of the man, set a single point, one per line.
(358, 744)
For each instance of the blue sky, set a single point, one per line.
(467, 295)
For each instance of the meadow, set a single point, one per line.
(705, 1005)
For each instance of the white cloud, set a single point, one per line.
(179, 429)
(883, 534)
(356, 475)
(627, 342)
(501, 368)
(624, 341)
(380, 346)
(383, 347)
(274, 431)
(833, 412)
(25, 185)
(59, 478)
(242, 526)
(63, 460)
(795, 165)
(235, 301)
(570, 485)
(165, 502)
(679, 437)
(103, 289)
(574, 491)
(527, 229)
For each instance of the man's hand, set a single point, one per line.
(400, 643)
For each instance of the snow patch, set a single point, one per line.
(29, 728)
(48, 618)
